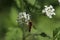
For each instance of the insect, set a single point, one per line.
(30, 25)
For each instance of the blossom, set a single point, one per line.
(23, 15)
(59, 1)
(49, 11)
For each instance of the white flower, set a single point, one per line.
(28, 16)
(51, 6)
(59, 2)
(43, 11)
(49, 10)
(45, 6)
(23, 15)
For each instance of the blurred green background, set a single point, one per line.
(9, 9)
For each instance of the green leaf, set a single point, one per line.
(18, 3)
(57, 12)
(32, 2)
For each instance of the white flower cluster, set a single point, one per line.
(49, 10)
(23, 15)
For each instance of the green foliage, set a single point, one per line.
(32, 2)
(9, 27)
(13, 34)
(57, 12)
(56, 33)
